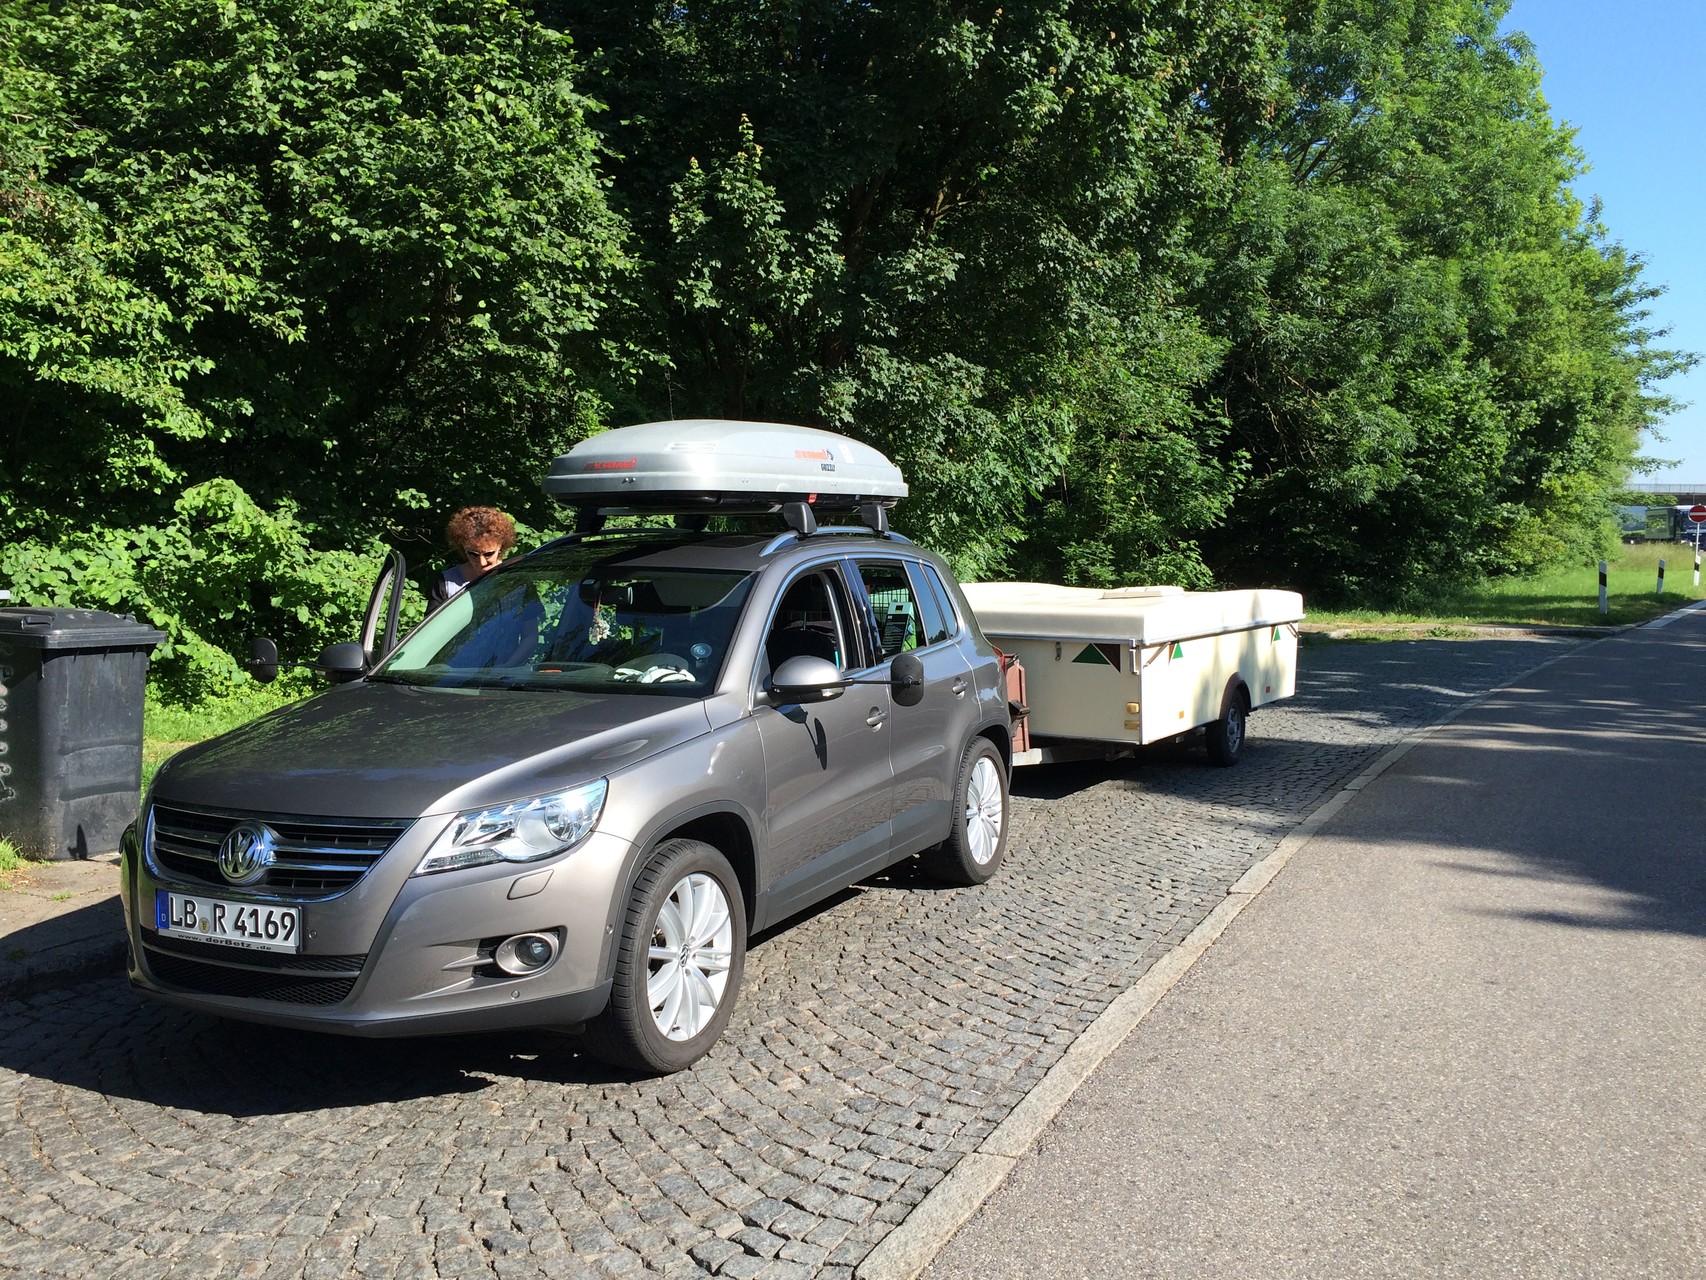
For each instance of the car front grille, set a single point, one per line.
(312, 858)
(214, 970)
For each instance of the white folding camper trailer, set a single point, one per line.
(1108, 671)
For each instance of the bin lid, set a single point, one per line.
(74, 629)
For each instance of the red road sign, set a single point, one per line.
(1697, 513)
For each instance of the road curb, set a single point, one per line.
(104, 959)
(1672, 616)
(907, 1250)
(60, 925)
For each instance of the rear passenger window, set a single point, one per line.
(905, 606)
(933, 605)
(894, 608)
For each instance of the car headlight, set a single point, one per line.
(522, 831)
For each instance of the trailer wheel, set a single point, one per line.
(1226, 735)
(973, 851)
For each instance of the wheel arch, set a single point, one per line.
(726, 830)
(1236, 687)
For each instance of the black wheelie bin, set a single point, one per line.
(71, 691)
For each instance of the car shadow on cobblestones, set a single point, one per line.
(100, 1037)
(1058, 781)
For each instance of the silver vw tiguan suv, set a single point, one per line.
(568, 797)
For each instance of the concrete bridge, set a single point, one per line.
(1685, 494)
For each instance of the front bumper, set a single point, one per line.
(397, 955)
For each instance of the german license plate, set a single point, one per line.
(233, 924)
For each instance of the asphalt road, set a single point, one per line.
(1463, 1033)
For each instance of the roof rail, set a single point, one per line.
(792, 538)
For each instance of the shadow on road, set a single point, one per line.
(102, 1038)
(1593, 773)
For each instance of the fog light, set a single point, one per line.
(525, 953)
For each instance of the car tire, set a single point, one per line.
(678, 964)
(1226, 735)
(973, 851)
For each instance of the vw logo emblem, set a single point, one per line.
(246, 852)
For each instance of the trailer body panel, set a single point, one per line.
(1134, 665)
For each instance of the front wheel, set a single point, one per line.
(679, 964)
(973, 851)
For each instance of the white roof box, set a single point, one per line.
(710, 464)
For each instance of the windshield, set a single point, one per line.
(588, 617)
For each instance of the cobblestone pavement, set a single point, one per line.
(877, 1040)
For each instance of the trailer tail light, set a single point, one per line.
(1016, 700)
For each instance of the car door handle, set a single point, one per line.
(959, 687)
(877, 716)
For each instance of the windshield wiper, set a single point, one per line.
(392, 677)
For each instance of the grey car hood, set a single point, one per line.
(400, 751)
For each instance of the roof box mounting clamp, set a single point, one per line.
(799, 517)
(876, 516)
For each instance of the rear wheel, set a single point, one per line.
(679, 964)
(1226, 735)
(973, 851)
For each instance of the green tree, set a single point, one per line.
(349, 255)
(939, 228)
(1435, 360)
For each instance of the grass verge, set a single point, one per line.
(168, 728)
(11, 861)
(1567, 597)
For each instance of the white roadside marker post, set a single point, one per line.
(1661, 586)
(1604, 604)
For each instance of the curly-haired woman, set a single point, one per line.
(484, 536)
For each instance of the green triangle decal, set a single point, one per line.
(1093, 655)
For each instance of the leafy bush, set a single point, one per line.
(222, 570)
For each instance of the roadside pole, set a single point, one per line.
(1660, 590)
(1604, 604)
(1696, 517)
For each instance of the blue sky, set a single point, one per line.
(1629, 78)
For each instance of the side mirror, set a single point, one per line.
(343, 662)
(263, 660)
(906, 679)
(807, 679)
